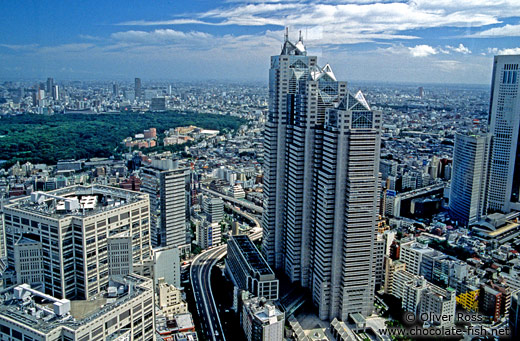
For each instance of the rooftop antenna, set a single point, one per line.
(286, 33)
(301, 38)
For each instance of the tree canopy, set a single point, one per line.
(49, 138)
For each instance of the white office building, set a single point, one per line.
(73, 228)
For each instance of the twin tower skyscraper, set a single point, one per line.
(321, 152)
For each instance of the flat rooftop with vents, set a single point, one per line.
(249, 270)
(76, 201)
(24, 310)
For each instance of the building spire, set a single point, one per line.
(286, 33)
(301, 38)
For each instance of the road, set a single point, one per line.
(420, 191)
(244, 215)
(243, 203)
(200, 276)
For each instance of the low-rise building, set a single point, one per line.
(208, 234)
(262, 321)
(170, 300)
(391, 266)
(249, 270)
(424, 299)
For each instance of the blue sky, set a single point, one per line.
(422, 41)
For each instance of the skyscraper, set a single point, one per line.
(504, 124)
(137, 88)
(287, 70)
(469, 183)
(115, 89)
(166, 186)
(345, 209)
(55, 92)
(320, 184)
(50, 85)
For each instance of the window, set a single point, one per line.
(362, 120)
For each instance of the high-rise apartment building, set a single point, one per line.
(63, 237)
(423, 298)
(166, 185)
(412, 253)
(208, 235)
(137, 88)
(504, 125)
(469, 184)
(320, 183)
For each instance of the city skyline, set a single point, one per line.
(349, 194)
(439, 42)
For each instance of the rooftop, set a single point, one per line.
(510, 226)
(76, 201)
(252, 256)
(44, 313)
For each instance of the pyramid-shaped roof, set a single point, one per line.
(354, 102)
(318, 73)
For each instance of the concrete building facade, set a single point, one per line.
(468, 191)
(262, 321)
(320, 183)
(73, 225)
(126, 315)
(504, 124)
(166, 186)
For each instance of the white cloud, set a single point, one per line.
(89, 37)
(460, 49)
(163, 22)
(447, 65)
(159, 36)
(353, 21)
(497, 51)
(66, 48)
(27, 47)
(422, 50)
(504, 31)
(328, 28)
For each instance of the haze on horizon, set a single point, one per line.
(434, 41)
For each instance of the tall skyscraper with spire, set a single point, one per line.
(504, 124)
(320, 184)
(287, 70)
